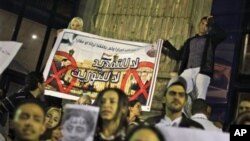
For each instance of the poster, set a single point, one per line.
(83, 63)
(8, 50)
(191, 134)
(79, 122)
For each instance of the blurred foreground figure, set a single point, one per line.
(28, 121)
(145, 133)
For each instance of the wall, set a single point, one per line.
(147, 21)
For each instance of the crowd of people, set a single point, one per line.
(33, 116)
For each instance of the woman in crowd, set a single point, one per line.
(134, 113)
(76, 24)
(112, 123)
(52, 121)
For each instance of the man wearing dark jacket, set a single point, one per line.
(175, 98)
(197, 56)
(33, 89)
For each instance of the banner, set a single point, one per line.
(191, 134)
(8, 50)
(83, 63)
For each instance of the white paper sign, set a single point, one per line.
(191, 134)
(8, 50)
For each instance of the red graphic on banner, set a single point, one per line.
(59, 72)
(143, 87)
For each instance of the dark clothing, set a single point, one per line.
(213, 38)
(117, 138)
(185, 122)
(9, 104)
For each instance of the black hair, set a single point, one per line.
(204, 18)
(30, 101)
(149, 127)
(133, 102)
(199, 106)
(122, 103)
(32, 80)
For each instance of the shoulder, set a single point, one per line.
(186, 122)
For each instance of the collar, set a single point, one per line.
(168, 122)
(199, 116)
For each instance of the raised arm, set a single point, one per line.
(171, 51)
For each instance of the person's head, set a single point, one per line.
(243, 118)
(53, 117)
(199, 106)
(175, 95)
(145, 133)
(76, 24)
(28, 120)
(244, 105)
(35, 81)
(77, 125)
(113, 104)
(84, 100)
(203, 26)
(135, 108)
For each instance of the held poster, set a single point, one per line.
(8, 50)
(83, 63)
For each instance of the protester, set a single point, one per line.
(197, 56)
(29, 118)
(134, 113)
(84, 100)
(112, 123)
(244, 105)
(145, 133)
(175, 98)
(52, 121)
(200, 114)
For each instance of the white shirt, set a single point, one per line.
(166, 121)
(208, 125)
(1, 137)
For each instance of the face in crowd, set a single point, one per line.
(203, 27)
(53, 117)
(244, 106)
(109, 105)
(84, 100)
(76, 24)
(144, 133)
(75, 129)
(136, 109)
(29, 122)
(175, 98)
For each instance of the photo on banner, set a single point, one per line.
(83, 63)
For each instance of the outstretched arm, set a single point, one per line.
(172, 52)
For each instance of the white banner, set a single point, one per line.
(191, 134)
(85, 63)
(8, 50)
